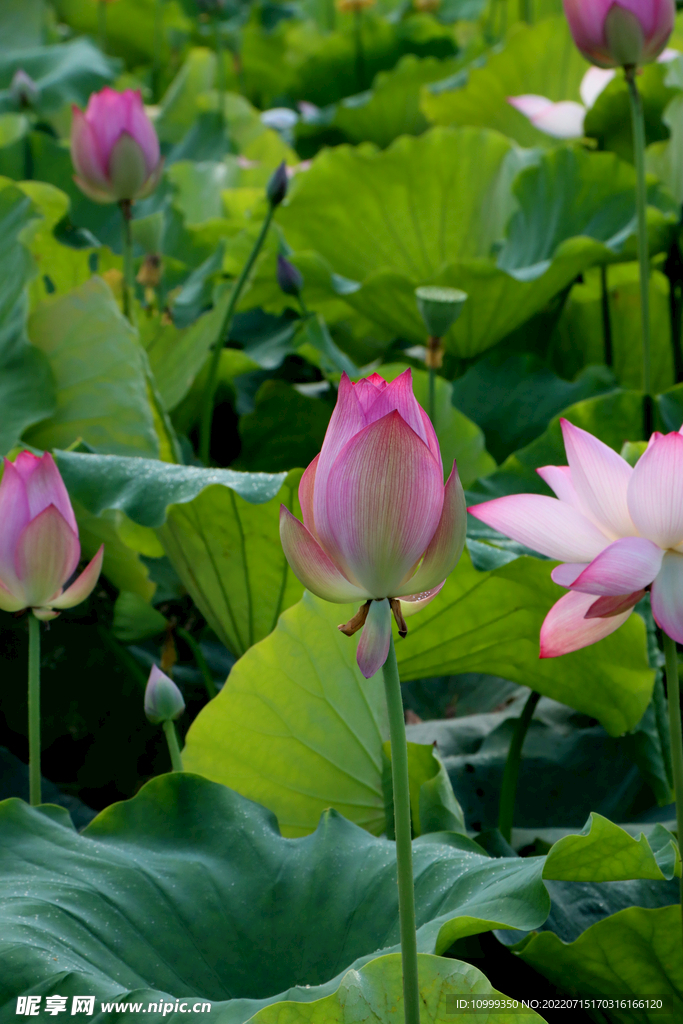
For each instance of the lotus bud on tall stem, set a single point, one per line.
(163, 705)
(276, 190)
(39, 552)
(439, 308)
(380, 528)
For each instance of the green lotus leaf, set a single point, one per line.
(65, 73)
(189, 891)
(634, 954)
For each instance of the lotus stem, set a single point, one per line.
(199, 658)
(173, 748)
(34, 777)
(360, 52)
(606, 319)
(212, 380)
(220, 67)
(404, 853)
(158, 46)
(128, 279)
(676, 734)
(638, 125)
(434, 361)
(525, 13)
(102, 25)
(508, 789)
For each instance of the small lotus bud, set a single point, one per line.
(23, 89)
(276, 189)
(439, 308)
(163, 700)
(149, 273)
(289, 277)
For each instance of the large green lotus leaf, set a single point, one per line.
(96, 360)
(609, 121)
(144, 488)
(392, 107)
(604, 852)
(490, 622)
(130, 26)
(121, 565)
(285, 429)
(65, 73)
(176, 356)
(375, 993)
(540, 59)
(512, 397)
(459, 438)
(178, 108)
(571, 193)
(579, 337)
(189, 890)
(634, 954)
(614, 417)
(26, 383)
(296, 727)
(227, 552)
(22, 24)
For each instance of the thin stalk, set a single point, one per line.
(673, 269)
(173, 748)
(158, 46)
(432, 393)
(525, 11)
(102, 25)
(404, 853)
(201, 661)
(220, 67)
(508, 789)
(674, 697)
(638, 125)
(360, 51)
(34, 779)
(128, 281)
(212, 380)
(606, 319)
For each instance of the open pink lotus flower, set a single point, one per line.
(618, 529)
(564, 120)
(614, 33)
(114, 147)
(379, 524)
(39, 547)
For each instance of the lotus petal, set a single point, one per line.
(411, 604)
(601, 479)
(627, 565)
(83, 585)
(373, 647)
(312, 566)
(567, 629)
(47, 554)
(445, 547)
(44, 486)
(655, 492)
(14, 517)
(667, 596)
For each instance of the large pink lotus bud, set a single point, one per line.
(617, 529)
(379, 524)
(114, 147)
(613, 33)
(39, 548)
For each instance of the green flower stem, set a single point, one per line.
(525, 11)
(212, 381)
(508, 789)
(173, 748)
(676, 733)
(360, 51)
(158, 46)
(432, 393)
(128, 280)
(34, 710)
(202, 664)
(638, 125)
(606, 318)
(220, 66)
(404, 853)
(102, 25)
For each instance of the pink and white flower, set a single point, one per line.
(114, 147)
(379, 524)
(617, 529)
(39, 546)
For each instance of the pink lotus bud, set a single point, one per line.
(611, 33)
(23, 89)
(379, 524)
(163, 700)
(114, 148)
(39, 548)
(617, 528)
